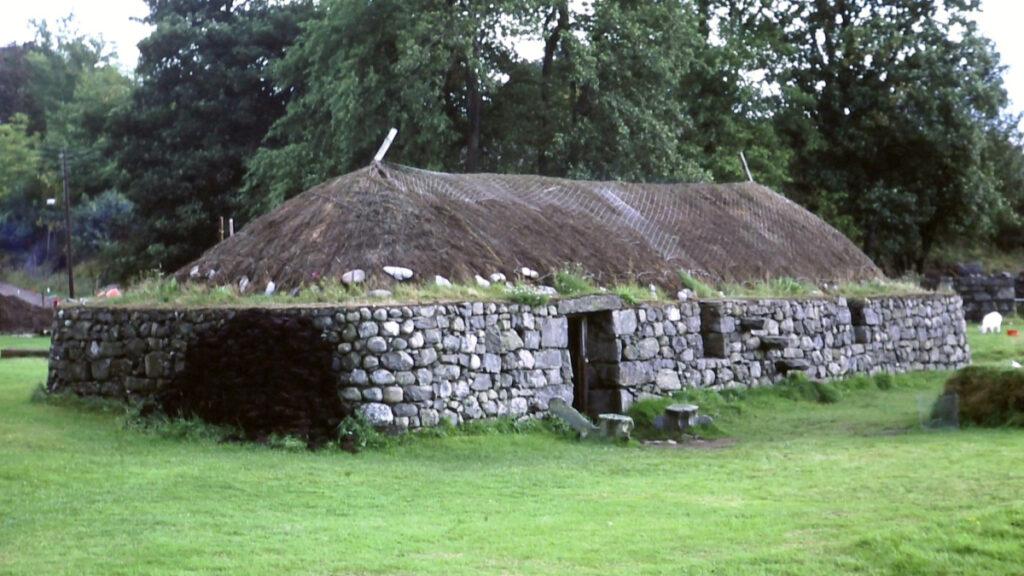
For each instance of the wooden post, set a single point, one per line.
(385, 145)
(67, 225)
(746, 168)
(231, 227)
(221, 228)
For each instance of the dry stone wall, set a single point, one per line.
(411, 366)
(983, 293)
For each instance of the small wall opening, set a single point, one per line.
(864, 319)
(717, 329)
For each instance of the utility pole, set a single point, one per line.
(67, 224)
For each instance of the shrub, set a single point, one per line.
(858, 382)
(355, 433)
(989, 396)
(644, 412)
(798, 386)
(884, 381)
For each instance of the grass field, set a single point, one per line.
(23, 343)
(852, 487)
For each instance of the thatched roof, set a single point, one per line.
(459, 225)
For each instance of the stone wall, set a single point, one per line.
(410, 366)
(982, 293)
(728, 343)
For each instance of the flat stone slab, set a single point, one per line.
(615, 426)
(593, 303)
(570, 416)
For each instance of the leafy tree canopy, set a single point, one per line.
(202, 105)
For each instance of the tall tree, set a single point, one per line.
(887, 106)
(59, 90)
(203, 104)
(427, 67)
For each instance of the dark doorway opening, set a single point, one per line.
(594, 353)
(578, 356)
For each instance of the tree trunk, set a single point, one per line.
(550, 46)
(474, 103)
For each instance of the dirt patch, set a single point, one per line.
(20, 317)
(262, 374)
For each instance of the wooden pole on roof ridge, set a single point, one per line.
(385, 145)
(746, 168)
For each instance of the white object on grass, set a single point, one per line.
(992, 323)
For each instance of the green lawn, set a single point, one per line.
(23, 343)
(853, 487)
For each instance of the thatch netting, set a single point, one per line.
(459, 225)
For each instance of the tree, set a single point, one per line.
(24, 183)
(426, 67)
(203, 104)
(886, 106)
(603, 101)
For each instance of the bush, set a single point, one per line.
(884, 381)
(644, 412)
(355, 433)
(797, 386)
(989, 396)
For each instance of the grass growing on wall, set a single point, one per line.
(855, 486)
(773, 288)
(701, 289)
(572, 282)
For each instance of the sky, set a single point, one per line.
(116, 21)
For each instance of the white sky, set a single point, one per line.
(1000, 20)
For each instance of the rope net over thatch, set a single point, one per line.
(461, 225)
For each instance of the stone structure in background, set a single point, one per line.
(410, 366)
(981, 293)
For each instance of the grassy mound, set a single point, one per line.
(989, 396)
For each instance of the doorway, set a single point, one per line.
(578, 358)
(594, 354)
